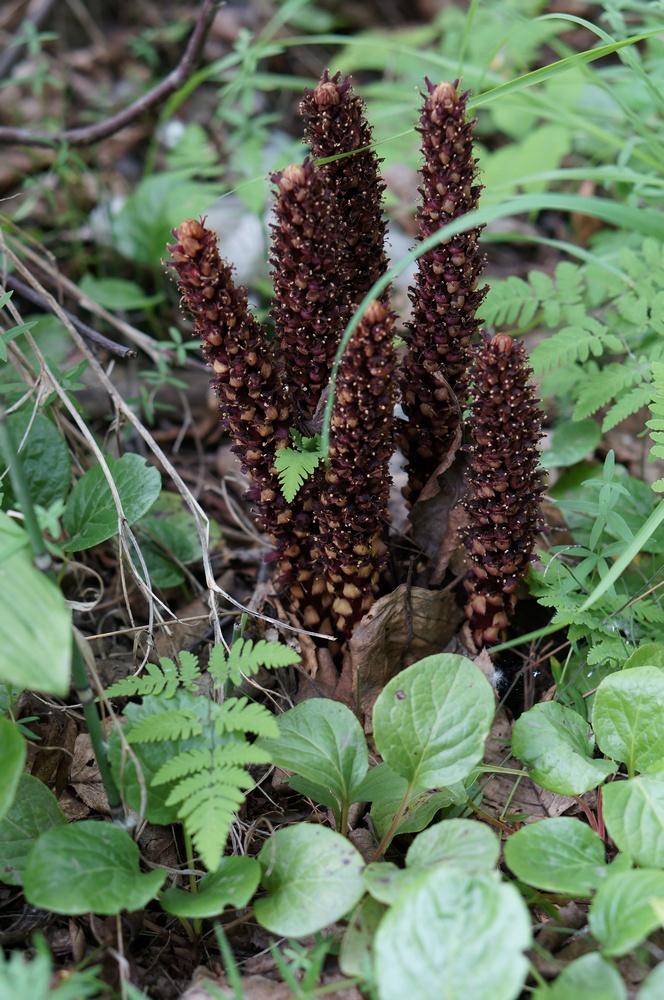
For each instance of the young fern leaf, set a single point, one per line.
(656, 423)
(246, 658)
(239, 715)
(574, 343)
(158, 680)
(189, 762)
(599, 389)
(174, 724)
(294, 465)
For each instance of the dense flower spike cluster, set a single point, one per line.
(252, 404)
(335, 124)
(446, 294)
(312, 302)
(351, 510)
(505, 485)
(326, 252)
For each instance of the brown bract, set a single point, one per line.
(505, 483)
(445, 296)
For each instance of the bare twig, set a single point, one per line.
(87, 134)
(86, 331)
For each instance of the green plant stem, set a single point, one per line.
(197, 923)
(343, 819)
(392, 829)
(87, 698)
(41, 555)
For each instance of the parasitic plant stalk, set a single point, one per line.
(351, 509)
(505, 483)
(252, 403)
(446, 295)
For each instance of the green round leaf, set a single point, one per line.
(461, 842)
(652, 987)
(557, 855)
(34, 810)
(557, 745)
(36, 651)
(628, 717)
(323, 742)
(12, 760)
(356, 954)
(453, 934)
(233, 884)
(45, 458)
(571, 442)
(634, 816)
(622, 914)
(431, 721)
(420, 810)
(313, 876)
(90, 515)
(590, 977)
(88, 867)
(650, 654)
(386, 883)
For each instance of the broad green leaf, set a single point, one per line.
(421, 808)
(652, 987)
(431, 721)
(381, 782)
(571, 442)
(628, 717)
(557, 855)
(117, 293)
(45, 458)
(386, 882)
(322, 741)
(460, 842)
(88, 867)
(650, 654)
(634, 816)
(36, 651)
(233, 884)
(12, 759)
(557, 745)
(34, 810)
(317, 793)
(591, 977)
(313, 876)
(454, 934)
(621, 914)
(91, 516)
(356, 954)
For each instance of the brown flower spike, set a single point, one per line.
(336, 124)
(312, 302)
(446, 294)
(505, 483)
(252, 403)
(351, 510)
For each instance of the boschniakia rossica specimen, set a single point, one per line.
(327, 249)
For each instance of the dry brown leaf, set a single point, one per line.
(434, 518)
(260, 988)
(401, 628)
(54, 757)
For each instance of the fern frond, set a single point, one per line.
(656, 424)
(512, 302)
(239, 753)
(173, 724)
(627, 404)
(208, 814)
(217, 782)
(246, 658)
(162, 679)
(240, 715)
(190, 671)
(601, 388)
(573, 343)
(615, 650)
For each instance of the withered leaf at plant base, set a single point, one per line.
(434, 531)
(401, 628)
